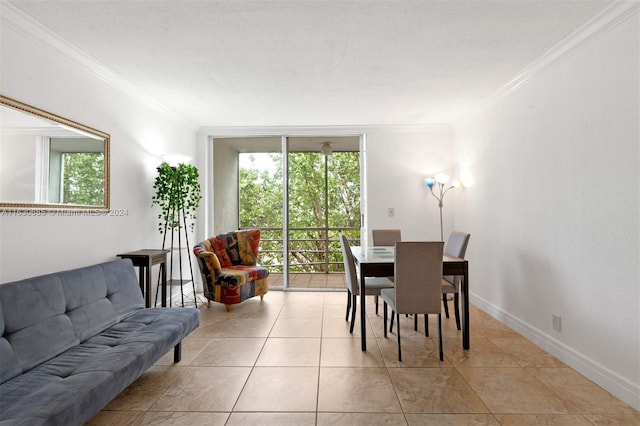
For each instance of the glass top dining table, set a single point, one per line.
(378, 261)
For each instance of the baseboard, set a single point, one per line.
(614, 383)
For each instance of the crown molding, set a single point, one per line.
(328, 130)
(15, 19)
(614, 14)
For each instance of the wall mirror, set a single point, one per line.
(48, 162)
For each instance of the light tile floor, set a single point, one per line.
(290, 360)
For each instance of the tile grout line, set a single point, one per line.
(386, 367)
(253, 366)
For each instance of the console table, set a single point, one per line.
(145, 259)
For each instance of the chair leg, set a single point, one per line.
(353, 313)
(384, 317)
(376, 304)
(456, 309)
(393, 315)
(446, 304)
(399, 346)
(426, 325)
(415, 322)
(440, 337)
(348, 305)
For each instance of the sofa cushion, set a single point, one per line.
(248, 246)
(237, 247)
(35, 323)
(9, 367)
(82, 380)
(239, 275)
(45, 316)
(37, 343)
(219, 246)
(124, 296)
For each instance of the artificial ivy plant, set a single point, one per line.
(178, 195)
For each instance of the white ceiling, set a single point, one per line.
(313, 63)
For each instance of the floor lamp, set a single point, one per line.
(440, 181)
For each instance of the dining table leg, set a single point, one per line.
(363, 313)
(465, 307)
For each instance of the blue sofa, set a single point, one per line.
(73, 340)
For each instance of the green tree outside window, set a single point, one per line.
(83, 178)
(311, 211)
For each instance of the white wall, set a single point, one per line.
(554, 209)
(397, 161)
(39, 75)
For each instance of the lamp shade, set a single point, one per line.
(442, 178)
(429, 182)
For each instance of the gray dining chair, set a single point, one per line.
(457, 247)
(373, 285)
(418, 276)
(385, 237)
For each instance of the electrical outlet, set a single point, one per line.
(391, 211)
(557, 322)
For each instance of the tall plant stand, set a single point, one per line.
(176, 211)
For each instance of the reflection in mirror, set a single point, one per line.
(49, 162)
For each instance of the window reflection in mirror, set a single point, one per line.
(48, 162)
(76, 171)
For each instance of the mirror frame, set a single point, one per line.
(28, 109)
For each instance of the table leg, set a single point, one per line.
(163, 274)
(363, 313)
(465, 307)
(141, 278)
(147, 285)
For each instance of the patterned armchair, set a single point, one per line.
(228, 264)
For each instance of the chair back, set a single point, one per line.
(457, 247)
(418, 277)
(351, 277)
(386, 237)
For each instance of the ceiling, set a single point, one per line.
(314, 63)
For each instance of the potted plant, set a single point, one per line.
(177, 194)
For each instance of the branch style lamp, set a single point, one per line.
(440, 181)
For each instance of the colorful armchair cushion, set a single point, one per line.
(237, 248)
(228, 264)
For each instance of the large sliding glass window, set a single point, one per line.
(319, 194)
